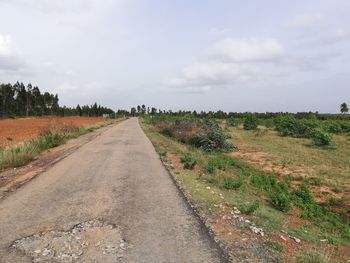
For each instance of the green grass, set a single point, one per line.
(22, 153)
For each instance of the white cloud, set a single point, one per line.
(229, 62)
(9, 59)
(53, 5)
(306, 21)
(245, 50)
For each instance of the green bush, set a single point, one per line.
(281, 201)
(332, 126)
(231, 183)
(188, 161)
(321, 138)
(250, 122)
(213, 139)
(288, 125)
(303, 196)
(233, 122)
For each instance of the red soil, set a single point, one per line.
(13, 131)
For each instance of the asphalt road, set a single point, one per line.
(110, 201)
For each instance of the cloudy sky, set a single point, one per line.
(271, 55)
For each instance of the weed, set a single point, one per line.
(230, 183)
(249, 208)
(188, 161)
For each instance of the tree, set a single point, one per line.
(344, 108)
(143, 109)
(133, 111)
(138, 108)
(79, 110)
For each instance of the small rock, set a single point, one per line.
(37, 251)
(324, 240)
(208, 187)
(283, 238)
(297, 240)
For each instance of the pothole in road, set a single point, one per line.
(91, 241)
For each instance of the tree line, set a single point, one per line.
(143, 110)
(20, 100)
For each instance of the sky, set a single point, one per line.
(271, 55)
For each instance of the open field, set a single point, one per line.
(328, 171)
(13, 131)
(294, 193)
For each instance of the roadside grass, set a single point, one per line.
(221, 179)
(22, 153)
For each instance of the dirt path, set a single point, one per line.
(110, 201)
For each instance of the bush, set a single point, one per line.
(281, 201)
(321, 138)
(188, 161)
(332, 126)
(233, 122)
(303, 196)
(230, 183)
(250, 122)
(288, 125)
(213, 139)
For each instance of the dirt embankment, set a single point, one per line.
(13, 131)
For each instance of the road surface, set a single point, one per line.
(109, 201)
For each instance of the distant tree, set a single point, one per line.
(79, 110)
(133, 111)
(148, 110)
(143, 109)
(344, 108)
(153, 111)
(138, 108)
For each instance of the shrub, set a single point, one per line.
(188, 161)
(321, 138)
(230, 183)
(288, 125)
(281, 201)
(233, 122)
(303, 195)
(213, 139)
(332, 126)
(250, 122)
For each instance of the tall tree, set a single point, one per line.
(344, 108)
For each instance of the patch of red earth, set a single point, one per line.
(175, 160)
(290, 247)
(13, 131)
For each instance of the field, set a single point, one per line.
(13, 131)
(284, 197)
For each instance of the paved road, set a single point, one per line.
(113, 189)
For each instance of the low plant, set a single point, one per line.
(249, 208)
(232, 183)
(281, 201)
(188, 161)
